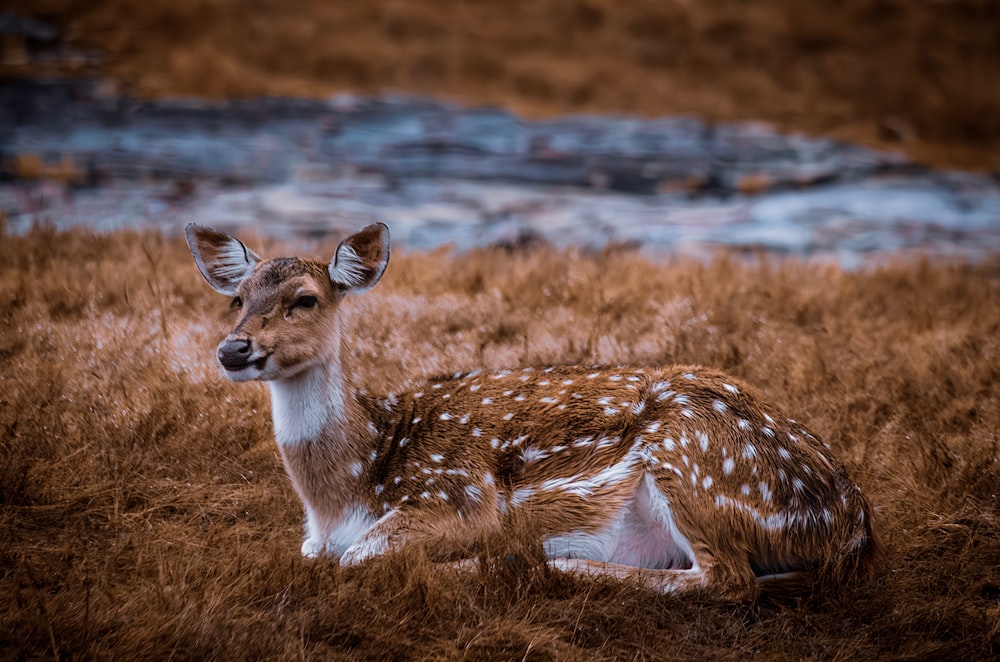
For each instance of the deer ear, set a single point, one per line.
(360, 259)
(223, 260)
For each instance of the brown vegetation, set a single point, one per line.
(922, 77)
(144, 511)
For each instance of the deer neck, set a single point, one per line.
(321, 432)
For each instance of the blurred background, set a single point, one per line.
(820, 127)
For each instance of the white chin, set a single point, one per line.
(249, 374)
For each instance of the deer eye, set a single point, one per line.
(305, 302)
(237, 302)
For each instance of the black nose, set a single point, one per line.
(233, 353)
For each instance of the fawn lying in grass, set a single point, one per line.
(679, 478)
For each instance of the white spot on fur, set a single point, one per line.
(521, 495)
(775, 522)
(706, 482)
(605, 442)
(356, 469)
(653, 427)
(743, 424)
(532, 454)
(728, 465)
(509, 415)
(765, 492)
(720, 406)
(476, 432)
(730, 388)
(585, 486)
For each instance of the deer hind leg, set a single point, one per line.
(705, 576)
(671, 580)
(694, 555)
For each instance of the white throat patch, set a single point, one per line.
(303, 406)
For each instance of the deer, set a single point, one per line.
(680, 478)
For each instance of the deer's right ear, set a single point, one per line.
(223, 260)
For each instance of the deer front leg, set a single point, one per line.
(315, 543)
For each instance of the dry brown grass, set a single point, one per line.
(144, 512)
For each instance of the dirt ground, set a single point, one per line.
(916, 76)
(144, 512)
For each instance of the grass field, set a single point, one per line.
(144, 512)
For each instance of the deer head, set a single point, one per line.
(287, 306)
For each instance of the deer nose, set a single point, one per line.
(234, 352)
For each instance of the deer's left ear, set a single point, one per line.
(361, 259)
(224, 261)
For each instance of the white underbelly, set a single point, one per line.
(643, 534)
